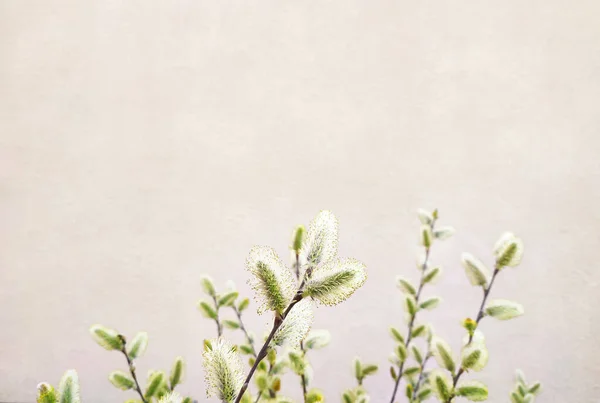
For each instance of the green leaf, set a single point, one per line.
(369, 370)
(231, 324)
(207, 286)
(432, 275)
(297, 363)
(409, 391)
(406, 287)
(473, 391)
(154, 383)
(314, 396)
(475, 270)
(107, 338)
(443, 233)
(358, 371)
(317, 339)
(336, 281)
(228, 299)
(68, 388)
(535, 388)
(347, 398)
(393, 373)
(177, 372)
(207, 310)
(426, 236)
(442, 384)
(430, 303)
(411, 305)
(410, 371)
(243, 304)
(443, 354)
(508, 250)
(187, 400)
(474, 356)
(417, 354)
(503, 309)
(261, 381)
(121, 380)
(396, 335)
(246, 349)
(401, 352)
(419, 331)
(137, 345)
(424, 394)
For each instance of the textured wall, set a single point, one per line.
(144, 143)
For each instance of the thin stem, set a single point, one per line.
(303, 377)
(421, 375)
(480, 315)
(132, 371)
(412, 319)
(263, 351)
(258, 397)
(219, 326)
(248, 338)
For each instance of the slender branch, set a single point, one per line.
(421, 375)
(412, 319)
(132, 371)
(258, 397)
(219, 326)
(263, 351)
(303, 377)
(248, 338)
(480, 315)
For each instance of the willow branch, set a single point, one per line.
(412, 319)
(248, 338)
(133, 375)
(480, 315)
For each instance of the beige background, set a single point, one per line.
(145, 143)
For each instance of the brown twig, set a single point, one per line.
(263, 351)
(248, 338)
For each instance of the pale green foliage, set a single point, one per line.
(68, 388)
(121, 380)
(476, 271)
(320, 242)
(46, 393)
(207, 310)
(432, 275)
(474, 356)
(223, 368)
(177, 372)
(207, 285)
(295, 326)
(430, 303)
(508, 250)
(442, 353)
(155, 380)
(106, 338)
(298, 238)
(137, 345)
(503, 309)
(472, 390)
(405, 286)
(172, 397)
(441, 384)
(335, 281)
(426, 237)
(273, 283)
(361, 371)
(425, 216)
(523, 392)
(317, 339)
(443, 233)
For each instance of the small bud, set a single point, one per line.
(409, 391)
(228, 299)
(207, 345)
(231, 324)
(474, 356)
(393, 373)
(396, 335)
(46, 393)
(442, 353)
(405, 286)
(430, 303)
(470, 325)
(243, 304)
(298, 238)
(154, 382)
(442, 384)
(68, 388)
(207, 310)
(431, 276)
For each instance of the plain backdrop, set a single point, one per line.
(144, 143)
